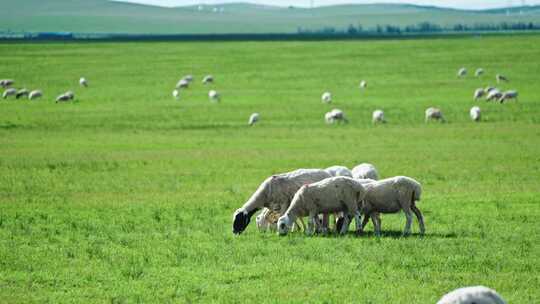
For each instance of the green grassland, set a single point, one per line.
(103, 16)
(127, 195)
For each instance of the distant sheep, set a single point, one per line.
(208, 79)
(83, 82)
(176, 94)
(68, 96)
(365, 171)
(378, 117)
(462, 72)
(182, 84)
(331, 195)
(326, 97)
(479, 72)
(363, 84)
(434, 114)
(4, 83)
(508, 95)
(479, 93)
(214, 96)
(35, 94)
(335, 116)
(275, 193)
(338, 171)
(472, 295)
(9, 92)
(494, 94)
(21, 93)
(392, 195)
(501, 78)
(475, 114)
(253, 119)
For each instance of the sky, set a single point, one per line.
(464, 4)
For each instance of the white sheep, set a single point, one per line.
(434, 114)
(275, 193)
(65, 97)
(479, 72)
(336, 115)
(176, 94)
(331, 195)
(182, 84)
(392, 195)
(339, 171)
(489, 89)
(4, 83)
(494, 94)
(214, 96)
(365, 171)
(462, 72)
(35, 94)
(9, 92)
(378, 117)
(501, 78)
(208, 79)
(253, 118)
(475, 114)
(513, 94)
(479, 93)
(363, 84)
(472, 295)
(83, 82)
(21, 93)
(326, 97)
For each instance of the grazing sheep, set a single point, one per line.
(501, 78)
(479, 72)
(363, 84)
(326, 97)
(462, 72)
(335, 194)
(208, 79)
(214, 96)
(182, 84)
(472, 295)
(254, 118)
(494, 94)
(336, 115)
(390, 196)
(513, 94)
(83, 82)
(188, 78)
(489, 89)
(365, 171)
(4, 83)
(475, 113)
(378, 117)
(267, 220)
(338, 171)
(9, 92)
(479, 93)
(434, 114)
(275, 193)
(35, 94)
(21, 93)
(176, 94)
(68, 96)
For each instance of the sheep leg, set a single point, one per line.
(420, 218)
(376, 223)
(325, 223)
(358, 222)
(345, 226)
(408, 216)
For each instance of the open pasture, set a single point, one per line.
(126, 195)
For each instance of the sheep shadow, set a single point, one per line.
(396, 234)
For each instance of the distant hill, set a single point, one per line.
(103, 16)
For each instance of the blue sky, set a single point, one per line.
(466, 4)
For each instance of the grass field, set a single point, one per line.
(104, 16)
(127, 195)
